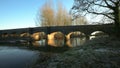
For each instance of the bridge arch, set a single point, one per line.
(75, 34)
(56, 39)
(24, 34)
(98, 34)
(75, 38)
(38, 36)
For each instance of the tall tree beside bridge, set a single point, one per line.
(55, 16)
(107, 8)
(46, 17)
(49, 16)
(62, 16)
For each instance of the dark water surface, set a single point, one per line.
(17, 57)
(22, 56)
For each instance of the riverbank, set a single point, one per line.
(97, 53)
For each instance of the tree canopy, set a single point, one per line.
(107, 8)
(56, 15)
(49, 16)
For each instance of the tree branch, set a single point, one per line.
(109, 6)
(101, 5)
(113, 1)
(107, 14)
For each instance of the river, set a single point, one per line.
(17, 57)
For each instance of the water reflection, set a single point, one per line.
(56, 43)
(57, 39)
(73, 39)
(76, 38)
(40, 43)
(73, 42)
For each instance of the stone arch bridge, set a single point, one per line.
(25, 33)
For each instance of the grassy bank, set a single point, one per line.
(97, 53)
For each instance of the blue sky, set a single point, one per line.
(22, 13)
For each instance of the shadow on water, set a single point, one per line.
(46, 48)
(49, 48)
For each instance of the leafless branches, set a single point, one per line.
(107, 8)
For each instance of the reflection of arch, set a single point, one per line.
(98, 34)
(56, 39)
(40, 43)
(39, 35)
(24, 34)
(75, 38)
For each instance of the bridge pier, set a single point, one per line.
(87, 37)
(30, 31)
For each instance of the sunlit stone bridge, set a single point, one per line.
(63, 34)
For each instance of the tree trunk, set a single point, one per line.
(117, 21)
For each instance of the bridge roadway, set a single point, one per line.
(86, 29)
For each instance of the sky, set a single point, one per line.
(22, 13)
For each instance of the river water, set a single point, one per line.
(17, 57)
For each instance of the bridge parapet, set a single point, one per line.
(86, 29)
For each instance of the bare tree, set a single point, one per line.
(62, 16)
(107, 8)
(47, 14)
